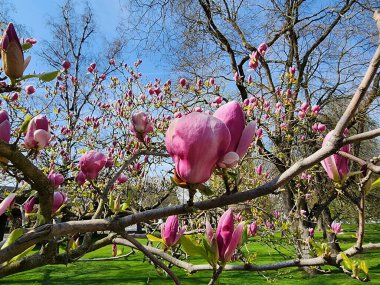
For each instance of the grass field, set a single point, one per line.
(134, 271)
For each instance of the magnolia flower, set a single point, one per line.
(186, 141)
(318, 127)
(29, 89)
(114, 249)
(141, 125)
(336, 166)
(80, 178)
(5, 127)
(170, 231)
(56, 178)
(7, 203)
(38, 133)
(122, 179)
(259, 169)
(241, 136)
(91, 163)
(59, 199)
(336, 228)
(228, 237)
(12, 54)
(252, 229)
(310, 232)
(66, 64)
(29, 205)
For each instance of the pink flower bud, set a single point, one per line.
(336, 166)
(59, 199)
(315, 109)
(262, 48)
(259, 169)
(66, 64)
(32, 41)
(310, 232)
(211, 81)
(292, 70)
(56, 179)
(29, 205)
(38, 133)
(91, 163)
(12, 54)
(29, 89)
(5, 127)
(14, 97)
(171, 232)
(336, 228)
(141, 125)
(122, 179)
(252, 229)
(228, 237)
(183, 82)
(80, 178)
(112, 61)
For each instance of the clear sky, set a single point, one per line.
(34, 15)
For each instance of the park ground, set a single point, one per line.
(133, 270)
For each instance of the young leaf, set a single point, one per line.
(26, 46)
(48, 76)
(191, 247)
(375, 184)
(153, 238)
(22, 254)
(13, 236)
(364, 267)
(25, 124)
(347, 263)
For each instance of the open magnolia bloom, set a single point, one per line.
(12, 54)
(336, 166)
(90, 165)
(241, 136)
(196, 142)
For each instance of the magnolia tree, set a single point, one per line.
(91, 152)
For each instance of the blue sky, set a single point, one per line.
(34, 15)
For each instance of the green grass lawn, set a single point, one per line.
(134, 271)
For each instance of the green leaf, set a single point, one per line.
(26, 46)
(153, 238)
(212, 254)
(13, 236)
(49, 76)
(24, 253)
(204, 190)
(46, 76)
(25, 124)
(111, 202)
(347, 263)
(191, 247)
(364, 267)
(376, 184)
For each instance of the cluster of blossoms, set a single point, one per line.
(199, 142)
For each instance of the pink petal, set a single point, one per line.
(42, 138)
(235, 240)
(4, 205)
(246, 139)
(230, 159)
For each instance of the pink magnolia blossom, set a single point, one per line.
(12, 54)
(252, 229)
(29, 89)
(276, 214)
(5, 127)
(315, 109)
(259, 169)
(336, 166)
(292, 70)
(56, 178)
(29, 205)
(269, 225)
(228, 237)
(59, 199)
(310, 232)
(7, 203)
(232, 115)
(80, 178)
(66, 64)
(262, 49)
(91, 163)
(141, 125)
(122, 179)
(171, 232)
(186, 141)
(336, 228)
(183, 82)
(38, 133)
(318, 128)
(114, 249)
